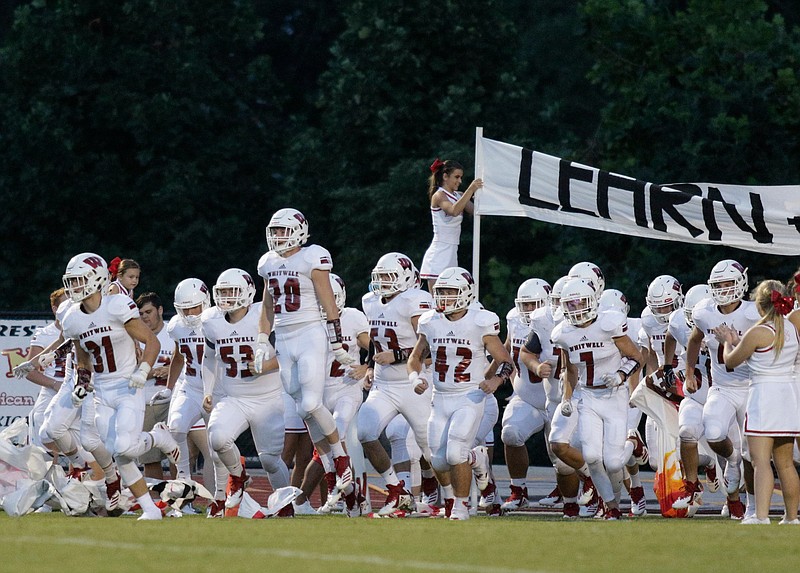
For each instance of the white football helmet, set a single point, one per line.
(191, 293)
(393, 273)
(239, 290)
(590, 272)
(664, 295)
(339, 291)
(555, 293)
(693, 296)
(723, 272)
(579, 301)
(458, 279)
(536, 291)
(613, 299)
(85, 275)
(297, 233)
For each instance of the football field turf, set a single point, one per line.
(307, 544)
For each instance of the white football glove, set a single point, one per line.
(139, 377)
(341, 355)
(46, 359)
(163, 396)
(78, 395)
(22, 370)
(263, 352)
(611, 379)
(566, 408)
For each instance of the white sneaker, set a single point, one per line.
(332, 504)
(150, 516)
(784, 521)
(753, 520)
(481, 467)
(163, 440)
(726, 512)
(460, 511)
(304, 508)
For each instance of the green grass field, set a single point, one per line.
(514, 544)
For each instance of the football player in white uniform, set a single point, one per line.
(296, 285)
(458, 337)
(248, 399)
(393, 308)
(343, 394)
(727, 397)
(105, 331)
(525, 414)
(599, 358)
(191, 299)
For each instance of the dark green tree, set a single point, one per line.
(140, 129)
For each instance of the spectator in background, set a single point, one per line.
(124, 276)
(447, 208)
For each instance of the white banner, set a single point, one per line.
(520, 182)
(16, 396)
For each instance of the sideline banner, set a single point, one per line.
(16, 396)
(524, 183)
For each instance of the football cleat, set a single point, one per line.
(113, 493)
(691, 494)
(736, 509)
(423, 509)
(344, 475)
(638, 502)
(216, 509)
(460, 511)
(448, 506)
(480, 467)
(517, 500)
(495, 510)
(600, 512)
(712, 479)
(589, 493)
(351, 505)
(163, 440)
(640, 453)
(612, 514)
(330, 480)
(725, 512)
(304, 508)
(235, 489)
(489, 496)
(430, 491)
(397, 500)
(77, 473)
(333, 503)
(552, 499)
(571, 510)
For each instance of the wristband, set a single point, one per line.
(145, 368)
(505, 371)
(401, 354)
(334, 328)
(628, 367)
(262, 338)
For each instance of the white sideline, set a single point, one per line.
(285, 553)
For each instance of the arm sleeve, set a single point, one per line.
(533, 344)
(209, 368)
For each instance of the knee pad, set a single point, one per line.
(128, 471)
(90, 441)
(439, 462)
(690, 433)
(457, 453)
(270, 462)
(511, 436)
(218, 440)
(714, 432)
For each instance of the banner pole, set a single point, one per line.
(476, 219)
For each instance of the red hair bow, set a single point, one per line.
(783, 304)
(113, 266)
(436, 165)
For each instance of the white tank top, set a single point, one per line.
(765, 366)
(446, 229)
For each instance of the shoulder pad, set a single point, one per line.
(173, 323)
(513, 314)
(318, 257)
(120, 304)
(610, 320)
(210, 313)
(486, 318)
(428, 317)
(751, 311)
